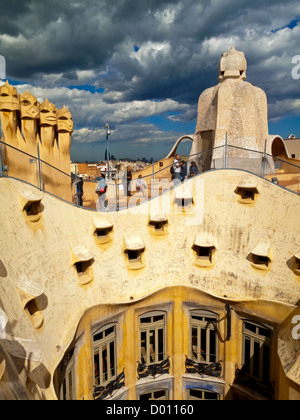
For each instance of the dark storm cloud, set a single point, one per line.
(136, 51)
(46, 37)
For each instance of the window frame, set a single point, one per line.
(262, 340)
(69, 378)
(207, 326)
(203, 392)
(154, 391)
(147, 328)
(99, 345)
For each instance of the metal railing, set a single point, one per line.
(34, 171)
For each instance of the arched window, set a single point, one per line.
(66, 377)
(204, 340)
(152, 337)
(256, 351)
(104, 355)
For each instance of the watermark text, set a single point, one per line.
(2, 68)
(296, 329)
(296, 68)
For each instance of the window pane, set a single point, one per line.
(247, 355)
(98, 337)
(256, 359)
(160, 344)
(264, 332)
(160, 395)
(104, 364)
(152, 346)
(212, 344)
(64, 390)
(145, 397)
(196, 394)
(198, 318)
(210, 396)
(112, 358)
(194, 343)
(206, 319)
(96, 367)
(266, 363)
(109, 331)
(143, 347)
(158, 318)
(203, 345)
(70, 387)
(145, 320)
(250, 327)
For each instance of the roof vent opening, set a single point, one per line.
(247, 191)
(103, 230)
(32, 297)
(103, 235)
(296, 264)
(31, 206)
(158, 224)
(34, 313)
(204, 252)
(260, 257)
(134, 253)
(83, 261)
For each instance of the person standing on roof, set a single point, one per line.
(177, 169)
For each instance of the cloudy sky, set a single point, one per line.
(140, 65)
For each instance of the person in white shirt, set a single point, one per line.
(101, 192)
(177, 169)
(141, 186)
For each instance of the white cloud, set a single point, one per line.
(85, 75)
(284, 107)
(168, 15)
(152, 52)
(142, 109)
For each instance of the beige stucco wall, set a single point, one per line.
(42, 252)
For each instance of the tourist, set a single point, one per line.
(177, 169)
(127, 177)
(193, 169)
(101, 192)
(141, 186)
(79, 191)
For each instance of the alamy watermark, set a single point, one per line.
(2, 67)
(296, 68)
(185, 199)
(3, 323)
(296, 329)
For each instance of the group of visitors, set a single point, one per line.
(101, 189)
(140, 186)
(178, 170)
(178, 174)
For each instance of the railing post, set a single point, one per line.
(1, 172)
(1, 147)
(264, 160)
(152, 189)
(116, 188)
(39, 164)
(76, 190)
(225, 163)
